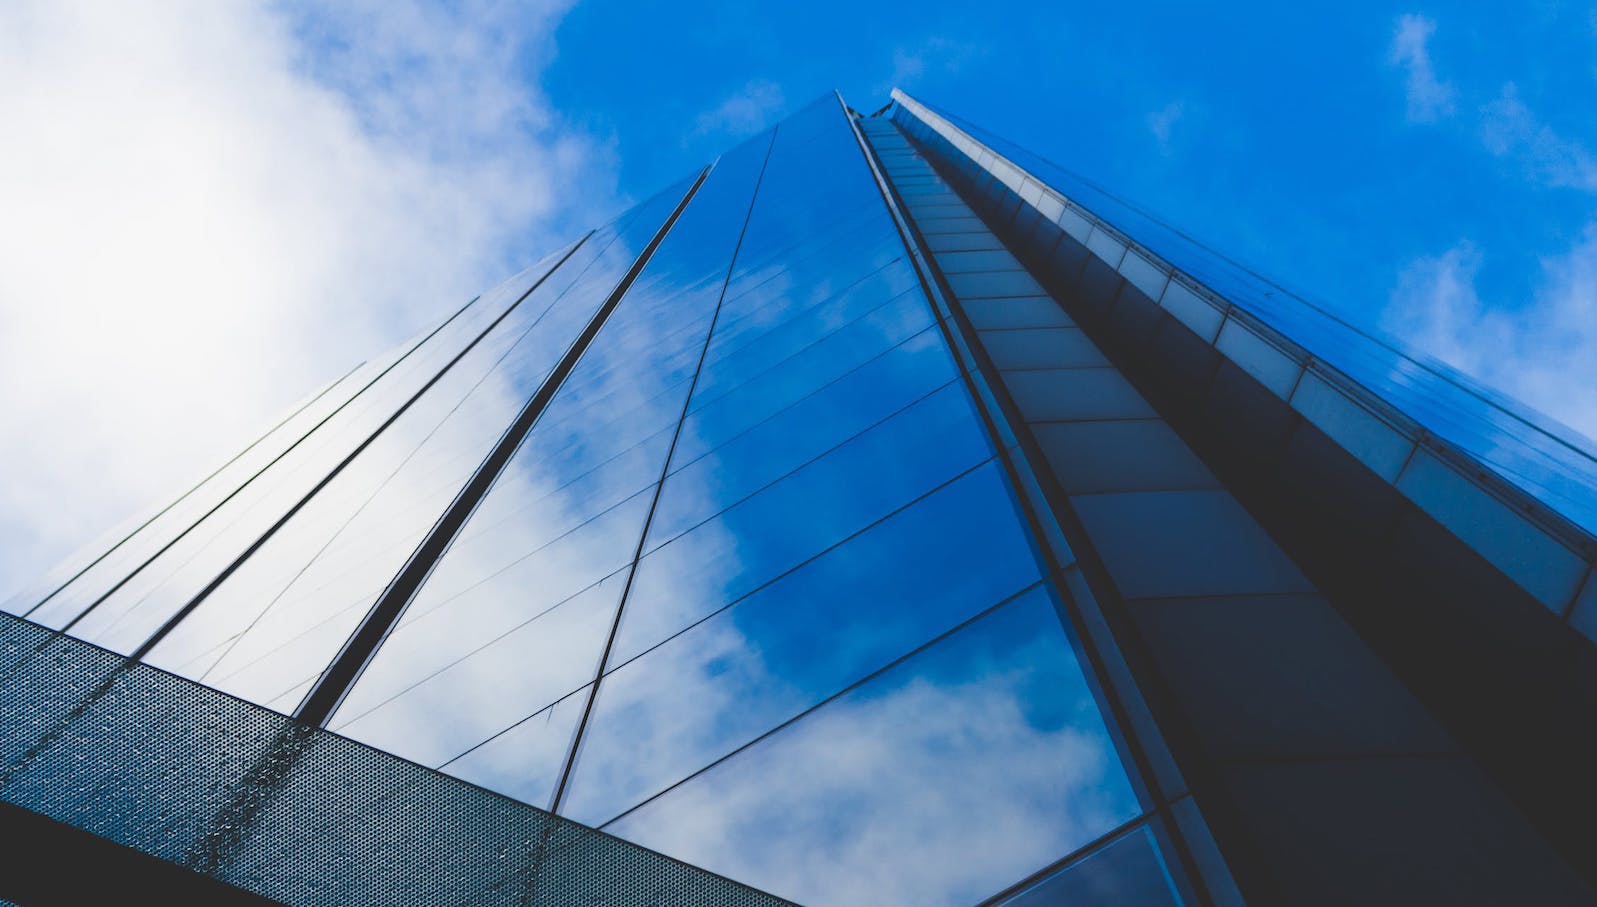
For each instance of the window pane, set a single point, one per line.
(288, 608)
(798, 641)
(942, 781)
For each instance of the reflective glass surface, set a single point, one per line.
(287, 445)
(832, 518)
(756, 539)
(121, 543)
(516, 614)
(212, 530)
(942, 780)
(753, 590)
(769, 656)
(273, 625)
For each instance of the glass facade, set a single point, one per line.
(789, 526)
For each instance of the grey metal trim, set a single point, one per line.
(1361, 421)
(1139, 738)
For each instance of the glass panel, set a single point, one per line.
(516, 614)
(152, 521)
(299, 455)
(239, 518)
(1165, 543)
(723, 409)
(282, 614)
(799, 640)
(943, 780)
(813, 508)
(815, 424)
(1129, 870)
(525, 760)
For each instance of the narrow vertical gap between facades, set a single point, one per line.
(665, 472)
(936, 288)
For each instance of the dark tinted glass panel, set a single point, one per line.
(1123, 455)
(993, 284)
(1015, 313)
(1078, 393)
(1185, 543)
(1042, 348)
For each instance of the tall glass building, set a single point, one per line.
(882, 515)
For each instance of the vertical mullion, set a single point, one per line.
(242, 485)
(346, 667)
(659, 485)
(194, 602)
(202, 482)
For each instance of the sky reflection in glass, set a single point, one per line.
(350, 417)
(872, 798)
(534, 575)
(832, 586)
(833, 508)
(276, 623)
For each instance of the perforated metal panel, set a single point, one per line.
(242, 794)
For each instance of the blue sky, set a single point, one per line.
(221, 206)
(1427, 169)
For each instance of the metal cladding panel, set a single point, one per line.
(244, 795)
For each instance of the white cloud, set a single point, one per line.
(210, 208)
(1511, 129)
(1544, 353)
(1162, 121)
(747, 111)
(1429, 98)
(937, 55)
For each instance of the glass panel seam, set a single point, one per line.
(839, 694)
(246, 483)
(939, 296)
(346, 667)
(213, 474)
(665, 470)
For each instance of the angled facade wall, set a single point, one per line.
(840, 527)
(1360, 623)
